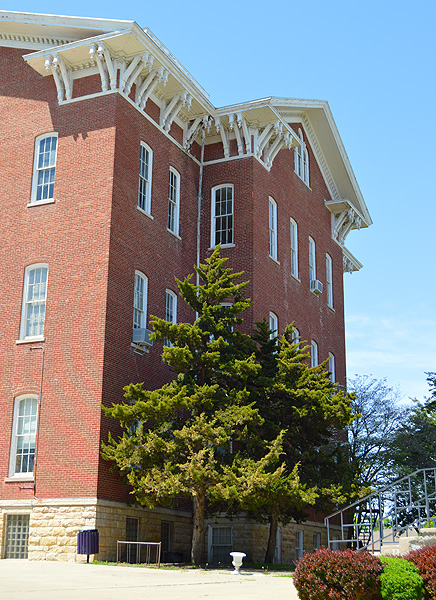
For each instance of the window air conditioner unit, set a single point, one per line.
(316, 287)
(141, 337)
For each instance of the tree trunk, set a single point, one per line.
(272, 540)
(198, 531)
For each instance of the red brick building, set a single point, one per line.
(105, 139)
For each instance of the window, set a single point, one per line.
(140, 301)
(24, 436)
(166, 536)
(44, 168)
(17, 536)
(170, 311)
(294, 248)
(332, 367)
(222, 215)
(298, 545)
(273, 325)
(174, 202)
(145, 171)
(329, 279)
(314, 354)
(316, 541)
(34, 298)
(273, 229)
(301, 159)
(295, 336)
(220, 544)
(312, 260)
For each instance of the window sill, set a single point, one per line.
(301, 179)
(296, 278)
(176, 235)
(19, 479)
(140, 349)
(274, 259)
(222, 246)
(145, 213)
(31, 340)
(31, 204)
(330, 308)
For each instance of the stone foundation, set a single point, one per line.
(54, 525)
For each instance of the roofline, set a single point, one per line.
(59, 20)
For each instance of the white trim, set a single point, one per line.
(145, 179)
(332, 367)
(273, 325)
(329, 279)
(22, 475)
(314, 354)
(293, 225)
(141, 311)
(31, 340)
(272, 228)
(31, 204)
(25, 305)
(174, 201)
(44, 169)
(312, 259)
(214, 217)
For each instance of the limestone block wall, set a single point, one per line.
(54, 525)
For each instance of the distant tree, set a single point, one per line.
(379, 415)
(414, 443)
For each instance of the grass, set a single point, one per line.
(265, 568)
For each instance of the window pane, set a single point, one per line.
(224, 216)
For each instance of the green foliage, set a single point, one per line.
(178, 439)
(400, 580)
(338, 575)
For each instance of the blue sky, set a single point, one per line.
(373, 61)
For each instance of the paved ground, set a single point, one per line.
(24, 580)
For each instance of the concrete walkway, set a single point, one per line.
(24, 580)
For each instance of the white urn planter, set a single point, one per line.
(237, 561)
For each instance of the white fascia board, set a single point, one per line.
(64, 21)
(357, 265)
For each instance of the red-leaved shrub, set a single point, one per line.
(425, 560)
(338, 575)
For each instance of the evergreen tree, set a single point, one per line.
(303, 403)
(178, 439)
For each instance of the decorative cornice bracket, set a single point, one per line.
(61, 75)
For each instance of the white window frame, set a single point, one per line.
(273, 325)
(299, 544)
(272, 228)
(170, 312)
(27, 305)
(15, 435)
(295, 338)
(332, 367)
(211, 545)
(301, 159)
(314, 361)
(145, 179)
(329, 279)
(215, 217)
(174, 201)
(312, 260)
(140, 301)
(294, 248)
(45, 171)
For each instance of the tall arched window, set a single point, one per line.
(34, 299)
(170, 311)
(23, 442)
(140, 301)
(145, 177)
(44, 167)
(174, 201)
(222, 216)
(294, 248)
(272, 227)
(301, 159)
